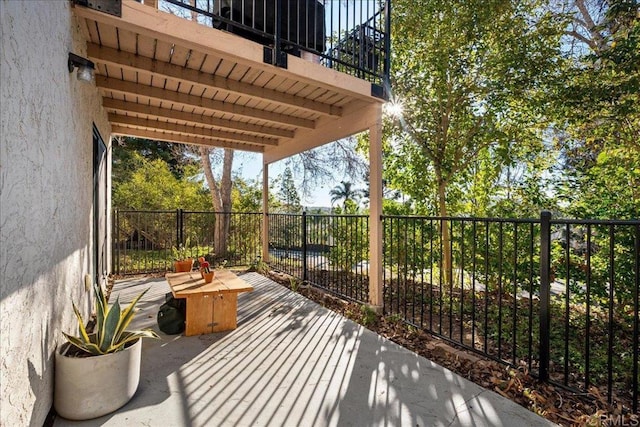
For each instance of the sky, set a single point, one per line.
(249, 166)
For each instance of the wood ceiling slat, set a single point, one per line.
(264, 80)
(184, 139)
(210, 64)
(119, 119)
(192, 117)
(163, 51)
(196, 60)
(179, 56)
(238, 73)
(127, 40)
(177, 72)
(84, 28)
(185, 99)
(108, 36)
(224, 68)
(146, 46)
(185, 110)
(251, 76)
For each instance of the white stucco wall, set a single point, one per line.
(46, 197)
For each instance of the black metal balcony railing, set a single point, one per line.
(351, 36)
(559, 298)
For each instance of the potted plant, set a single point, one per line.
(182, 261)
(206, 271)
(97, 373)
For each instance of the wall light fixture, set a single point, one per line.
(85, 67)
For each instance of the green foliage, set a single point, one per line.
(152, 186)
(288, 195)
(350, 238)
(111, 334)
(468, 74)
(347, 194)
(129, 152)
(258, 265)
(246, 196)
(369, 316)
(294, 284)
(182, 251)
(596, 104)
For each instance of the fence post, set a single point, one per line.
(304, 247)
(545, 292)
(115, 247)
(180, 227)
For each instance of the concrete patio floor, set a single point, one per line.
(292, 362)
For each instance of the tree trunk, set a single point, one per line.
(220, 198)
(446, 238)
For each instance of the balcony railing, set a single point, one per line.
(351, 36)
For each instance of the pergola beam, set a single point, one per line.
(189, 130)
(183, 139)
(160, 94)
(166, 113)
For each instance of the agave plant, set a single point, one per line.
(111, 334)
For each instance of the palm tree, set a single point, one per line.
(343, 192)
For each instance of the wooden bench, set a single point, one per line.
(211, 307)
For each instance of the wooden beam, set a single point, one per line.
(189, 130)
(183, 139)
(135, 89)
(265, 211)
(131, 61)
(172, 29)
(166, 113)
(375, 213)
(358, 117)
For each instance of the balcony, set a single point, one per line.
(275, 77)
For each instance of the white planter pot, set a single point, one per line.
(89, 387)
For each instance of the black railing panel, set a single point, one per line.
(558, 298)
(143, 240)
(351, 36)
(328, 251)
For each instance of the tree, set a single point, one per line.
(468, 75)
(128, 153)
(344, 192)
(597, 110)
(220, 191)
(152, 186)
(288, 194)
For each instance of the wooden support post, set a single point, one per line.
(151, 3)
(265, 210)
(375, 213)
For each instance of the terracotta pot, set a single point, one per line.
(208, 277)
(183, 266)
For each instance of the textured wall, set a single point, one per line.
(45, 198)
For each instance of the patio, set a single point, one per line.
(292, 362)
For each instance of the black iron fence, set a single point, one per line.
(351, 36)
(328, 251)
(143, 241)
(558, 298)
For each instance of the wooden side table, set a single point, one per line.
(211, 307)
